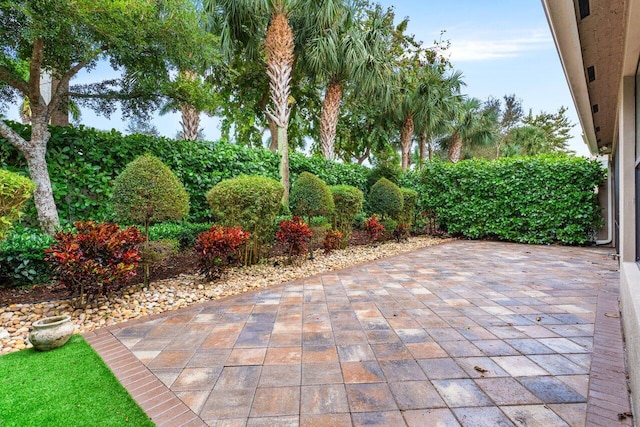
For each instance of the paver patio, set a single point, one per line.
(465, 333)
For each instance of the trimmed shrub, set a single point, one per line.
(310, 196)
(409, 199)
(389, 169)
(183, 233)
(147, 192)
(332, 241)
(295, 234)
(96, 259)
(251, 202)
(374, 229)
(541, 200)
(348, 203)
(15, 190)
(385, 198)
(218, 247)
(22, 261)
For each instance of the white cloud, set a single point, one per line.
(498, 46)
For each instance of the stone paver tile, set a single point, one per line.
(282, 421)
(146, 356)
(382, 337)
(579, 383)
(246, 356)
(223, 404)
(413, 335)
(321, 373)
(551, 390)
(556, 364)
(402, 370)
(536, 331)
(476, 333)
(563, 345)
(441, 417)
(319, 354)
(325, 420)
(350, 337)
(506, 391)
(291, 339)
(462, 348)
(573, 414)
(528, 346)
(283, 355)
(480, 367)
(505, 332)
(482, 417)
(323, 399)
(280, 375)
(519, 366)
(167, 376)
(426, 350)
(171, 359)
(582, 359)
(355, 353)
(392, 351)
(416, 395)
(495, 348)
(441, 368)
(444, 334)
(194, 399)
(315, 339)
(206, 358)
(533, 416)
(388, 418)
(370, 397)
(197, 379)
(368, 371)
(459, 393)
(230, 422)
(275, 401)
(238, 377)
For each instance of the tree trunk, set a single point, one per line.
(273, 130)
(329, 118)
(423, 149)
(430, 151)
(405, 141)
(34, 152)
(190, 122)
(60, 116)
(279, 47)
(455, 148)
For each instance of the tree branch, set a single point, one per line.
(34, 72)
(13, 137)
(8, 77)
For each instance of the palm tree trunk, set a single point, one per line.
(455, 148)
(279, 47)
(405, 141)
(190, 122)
(273, 130)
(423, 149)
(430, 151)
(329, 118)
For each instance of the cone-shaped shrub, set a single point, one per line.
(385, 198)
(310, 196)
(251, 202)
(348, 202)
(15, 190)
(409, 198)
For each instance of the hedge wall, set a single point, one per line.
(84, 161)
(543, 199)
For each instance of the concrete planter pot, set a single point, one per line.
(51, 332)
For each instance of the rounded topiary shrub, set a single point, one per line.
(409, 199)
(15, 190)
(147, 191)
(251, 202)
(385, 198)
(310, 196)
(348, 202)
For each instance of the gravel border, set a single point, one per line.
(186, 290)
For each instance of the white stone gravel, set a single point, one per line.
(185, 290)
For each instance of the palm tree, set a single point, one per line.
(469, 124)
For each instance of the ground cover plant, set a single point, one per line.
(70, 385)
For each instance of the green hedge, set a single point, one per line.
(543, 199)
(15, 190)
(83, 163)
(22, 258)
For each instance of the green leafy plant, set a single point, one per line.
(251, 202)
(375, 230)
(409, 199)
(295, 234)
(183, 233)
(310, 196)
(22, 261)
(385, 198)
(94, 260)
(218, 247)
(541, 200)
(15, 190)
(348, 202)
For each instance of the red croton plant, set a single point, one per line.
(96, 259)
(375, 230)
(295, 234)
(217, 247)
(332, 241)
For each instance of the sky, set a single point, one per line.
(502, 47)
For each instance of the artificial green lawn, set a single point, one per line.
(68, 386)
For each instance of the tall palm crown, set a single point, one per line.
(469, 124)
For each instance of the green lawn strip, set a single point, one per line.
(68, 386)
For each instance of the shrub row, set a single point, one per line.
(544, 199)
